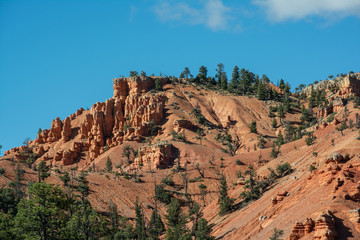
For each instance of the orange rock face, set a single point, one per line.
(155, 156)
(129, 115)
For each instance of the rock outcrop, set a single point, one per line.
(159, 155)
(345, 86)
(131, 114)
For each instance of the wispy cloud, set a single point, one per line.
(211, 13)
(282, 10)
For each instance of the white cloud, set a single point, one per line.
(281, 10)
(211, 13)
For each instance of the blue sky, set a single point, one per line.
(58, 56)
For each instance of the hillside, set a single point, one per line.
(155, 128)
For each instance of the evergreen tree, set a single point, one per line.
(224, 81)
(158, 86)
(203, 188)
(43, 171)
(234, 79)
(203, 230)
(109, 166)
(277, 234)
(114, 218)
(252, 187)
(156, 226)
(65, 178)
(281, 113)
(261, 91)
(202, 76)
(176, 222)
(225, 202)
(274, 123)
(133, 73)
(219, 72)
(186, 74)
(282, 84)
(139, 222)
(253, 128)
(280, 139)
(83, 187)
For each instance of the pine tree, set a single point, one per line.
(280, 139)
(203, 188)
(281, 113)
(274, 123)
(253, 128)
(225, 202)
(65, 178)
(277, 234)
(186, 74)
(139, 222)
(176, 222)
(156, 226)
(234, 79)
(282, 84)
(109, 166)
(224, 81)
(219, 72)
(261, 91)
(202, 76)
(43, 171)
(203, 230)
(83, 187)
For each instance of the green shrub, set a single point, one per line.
(2, 171)
(168, 181)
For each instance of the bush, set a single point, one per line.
(2, 171)
(311, 168)
(238, 162)
(168, 181)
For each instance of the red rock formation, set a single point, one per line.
(325, 227)
(300, 230)
(55, 131)
(155, 156)
(66, 131)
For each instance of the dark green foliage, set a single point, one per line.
(309, 140)
(306, 115)
(43, 171)
(262, 142)
(133, 73)
(156, 226)
(253, 127)
(176, 222)
(127, 152)
(65, 178)
(261, 91)
(168, 181)
(283, 169)
(252, 188)
(282, 84)
(280, 139)
(311, 168)
(234, 79)
(281, 113)
(8, 201)
(178, 136)
(342, 127)
(274, 123)
(83, 187)
(225, 202)
(219, 73)
(186, 74)
(203, 230)
(139, 221)
(203, 192)
(158, 86)
(162, 194)
(275, 150)
(356, 102)
(109, 166)
(277, 234)
(2, 171)
(202, 76)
